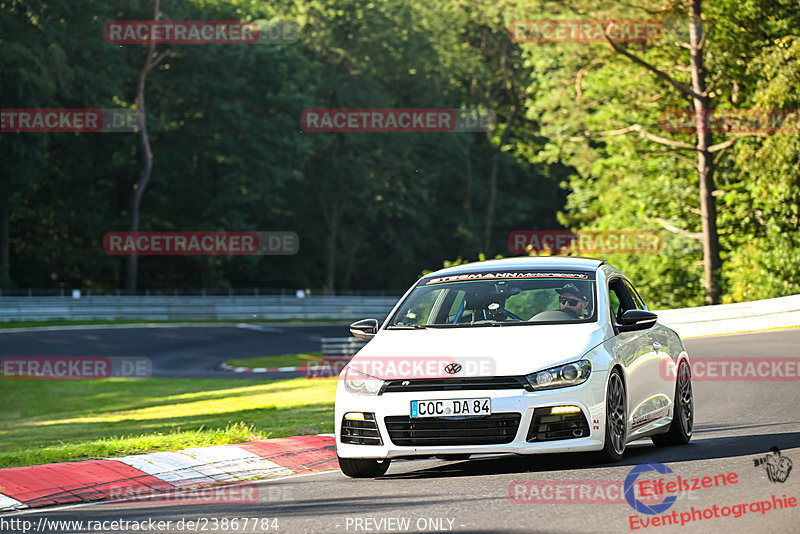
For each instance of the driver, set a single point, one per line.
(573, 300)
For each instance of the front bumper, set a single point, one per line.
(589, 397)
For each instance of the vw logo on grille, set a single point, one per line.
(452, 368)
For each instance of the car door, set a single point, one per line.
(656, 347)
(636, 352)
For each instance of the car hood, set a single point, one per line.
(480, 351)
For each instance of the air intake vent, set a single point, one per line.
(420, 432)
(548, 427)
(357, 432)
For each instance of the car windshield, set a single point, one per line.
(498, 298)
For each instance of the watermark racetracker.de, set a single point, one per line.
(421, 367)
(732, 121)
(58, 120)
(74, 367)
(737, 369)
(238, 493)
(585, 31)
(396, 120)
(193, 32)
(586, 241)
(201, 243)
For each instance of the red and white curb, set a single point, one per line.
(91, 480)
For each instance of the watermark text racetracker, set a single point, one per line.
(738, 369)
(400, 367)
(201, 243)
(396, 120)
(56, 120)
(732, 121)
(222, 494)
(585, 31)
(586, 241)
(74, 367)
(183, 32)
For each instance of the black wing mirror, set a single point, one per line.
(633, 320)
(364, 329)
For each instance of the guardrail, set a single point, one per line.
(339, 347)
(688, 322)
(178, 308)
(730, 318)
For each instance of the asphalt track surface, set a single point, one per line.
(735, 423)
(178, 352)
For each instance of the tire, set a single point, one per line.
(682, 425)
(359, 468)
(616, 420)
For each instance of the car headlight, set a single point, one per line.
(563, 376)
(361, 383)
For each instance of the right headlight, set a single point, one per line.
(570, 374)
(361, 383)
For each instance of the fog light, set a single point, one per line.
(555, 410)
(354, 416)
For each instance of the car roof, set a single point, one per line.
(524, 263)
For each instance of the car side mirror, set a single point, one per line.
(633, 320)
(364, 329)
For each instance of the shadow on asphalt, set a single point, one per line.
(702, 448)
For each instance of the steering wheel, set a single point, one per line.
(494, 308)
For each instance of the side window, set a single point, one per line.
(637, 300)
(620, 297)
(615, 307)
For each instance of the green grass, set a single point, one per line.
(59, 420)
(284, 360)
(101, 322)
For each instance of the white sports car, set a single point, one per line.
(523, 355)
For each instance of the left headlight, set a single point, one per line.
(570, 374)
(361, 383)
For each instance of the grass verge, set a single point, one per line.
(59, 420)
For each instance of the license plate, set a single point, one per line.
(451, 407)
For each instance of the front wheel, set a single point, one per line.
(616, 420)
(360, 468)
(680, 429)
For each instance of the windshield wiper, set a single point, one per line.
(407, 327)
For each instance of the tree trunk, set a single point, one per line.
(705, 163)
(132, 266)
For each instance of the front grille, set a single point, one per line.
(428, 432)
(547, 427)
(364, 432)
(455, 384)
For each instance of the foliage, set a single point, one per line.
(374, 209)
